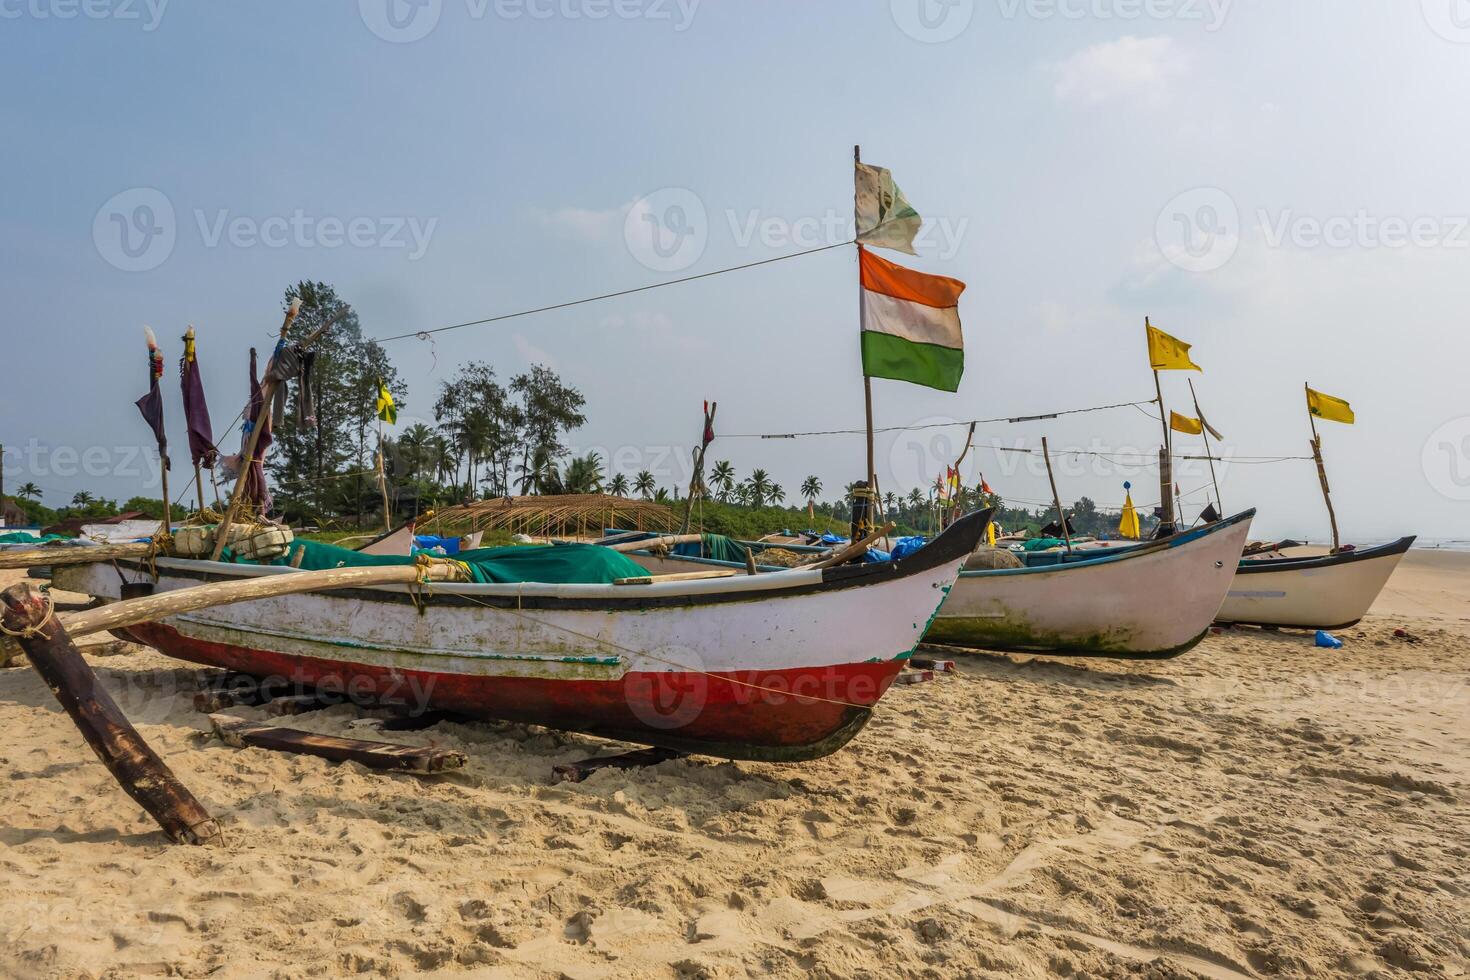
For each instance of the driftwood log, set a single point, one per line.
(136, 767)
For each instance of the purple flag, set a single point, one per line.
(196, 409)
(151, 404)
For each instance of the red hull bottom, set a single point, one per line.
(778, 715)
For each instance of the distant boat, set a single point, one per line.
(1310, 588)
(1148, 601)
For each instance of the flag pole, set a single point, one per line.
(1322, 471)
(1209, 454)
(198, 475)
(1166, 456)
(383, 481)
(857, 158)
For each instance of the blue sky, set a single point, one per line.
(1280, 184)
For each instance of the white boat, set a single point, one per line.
(778, 667)
(1149, 601)
(1310, 588)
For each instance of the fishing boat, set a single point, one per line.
(1310, 588)
(1151, 601)
(779, 667)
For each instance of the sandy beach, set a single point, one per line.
(1257, 807)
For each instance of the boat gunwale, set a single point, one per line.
(1121, 554)
(1255, 566)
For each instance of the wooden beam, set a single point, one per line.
(854, 550)
(675, 577)
(136, 767)
(72, 555)
(374, 755)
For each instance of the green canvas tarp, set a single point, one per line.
(562, 565)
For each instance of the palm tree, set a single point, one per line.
(661, 496)
(723, 478)
(416, 448)
(583, 475)
(760, 487)
(889, 500)
(643, 484)
(29, 490)
(776, 494)
(811, 489)
(538, 472)
(83, 499)
(916, 500)
(618, 486)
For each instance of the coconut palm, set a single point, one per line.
(760, 487)
(890, 499)
(915, 500)
(643, 484)
(29, 490)
(415, 447)
(618, 485)
(811, 489)
(722, 477)
(776, 494)
(583, 475)
(661, 496)
(83, 499)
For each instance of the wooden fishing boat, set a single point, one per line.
(780, 667)
(1151, 601)
(1307, 590)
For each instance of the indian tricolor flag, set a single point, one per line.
(911, 325)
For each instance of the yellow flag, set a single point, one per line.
(387, 411)
(1167, 353)
(1128, 526)
(1329, 408)
(1185, 424)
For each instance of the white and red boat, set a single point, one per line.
(783, 666)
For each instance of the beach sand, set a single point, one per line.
(1256, 807)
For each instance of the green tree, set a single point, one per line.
(643, 484)
(811, 489)
(29, 490)
(723, 478)
(759, 488)
(618, 486)
(82, 499)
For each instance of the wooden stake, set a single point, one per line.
(161, 605)
(373, 755)
(1322, 478)
(136, 767)
(1061, 514)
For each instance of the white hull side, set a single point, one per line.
(1314, 598)
(1155, 603)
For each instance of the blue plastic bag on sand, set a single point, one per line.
(1326, 639)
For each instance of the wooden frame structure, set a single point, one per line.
(565, 515)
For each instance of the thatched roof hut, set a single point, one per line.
(568, 515)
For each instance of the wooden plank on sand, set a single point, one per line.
(373, 755)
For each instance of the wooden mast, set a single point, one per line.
(1166, 455)
(1056, 497)
(857, 157)
(198, 474)
(1204, 430)
(696, 481)
(1322, 473)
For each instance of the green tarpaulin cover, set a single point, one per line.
(562, 565)
(21, 537)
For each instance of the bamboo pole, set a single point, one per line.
(162, 605)
(696, 482)
(1166, 461)
(136, 767)
(665, 540)
(1209, 453)
(1322, 478)
(383, 481)
(267, 391)
(1056, 498)
(857, 158)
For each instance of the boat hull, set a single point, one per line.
(1321, 592)
(744, 668)
(1149, 602)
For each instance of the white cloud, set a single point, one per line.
(532, 353)
(1131, 67)
(585, 224)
